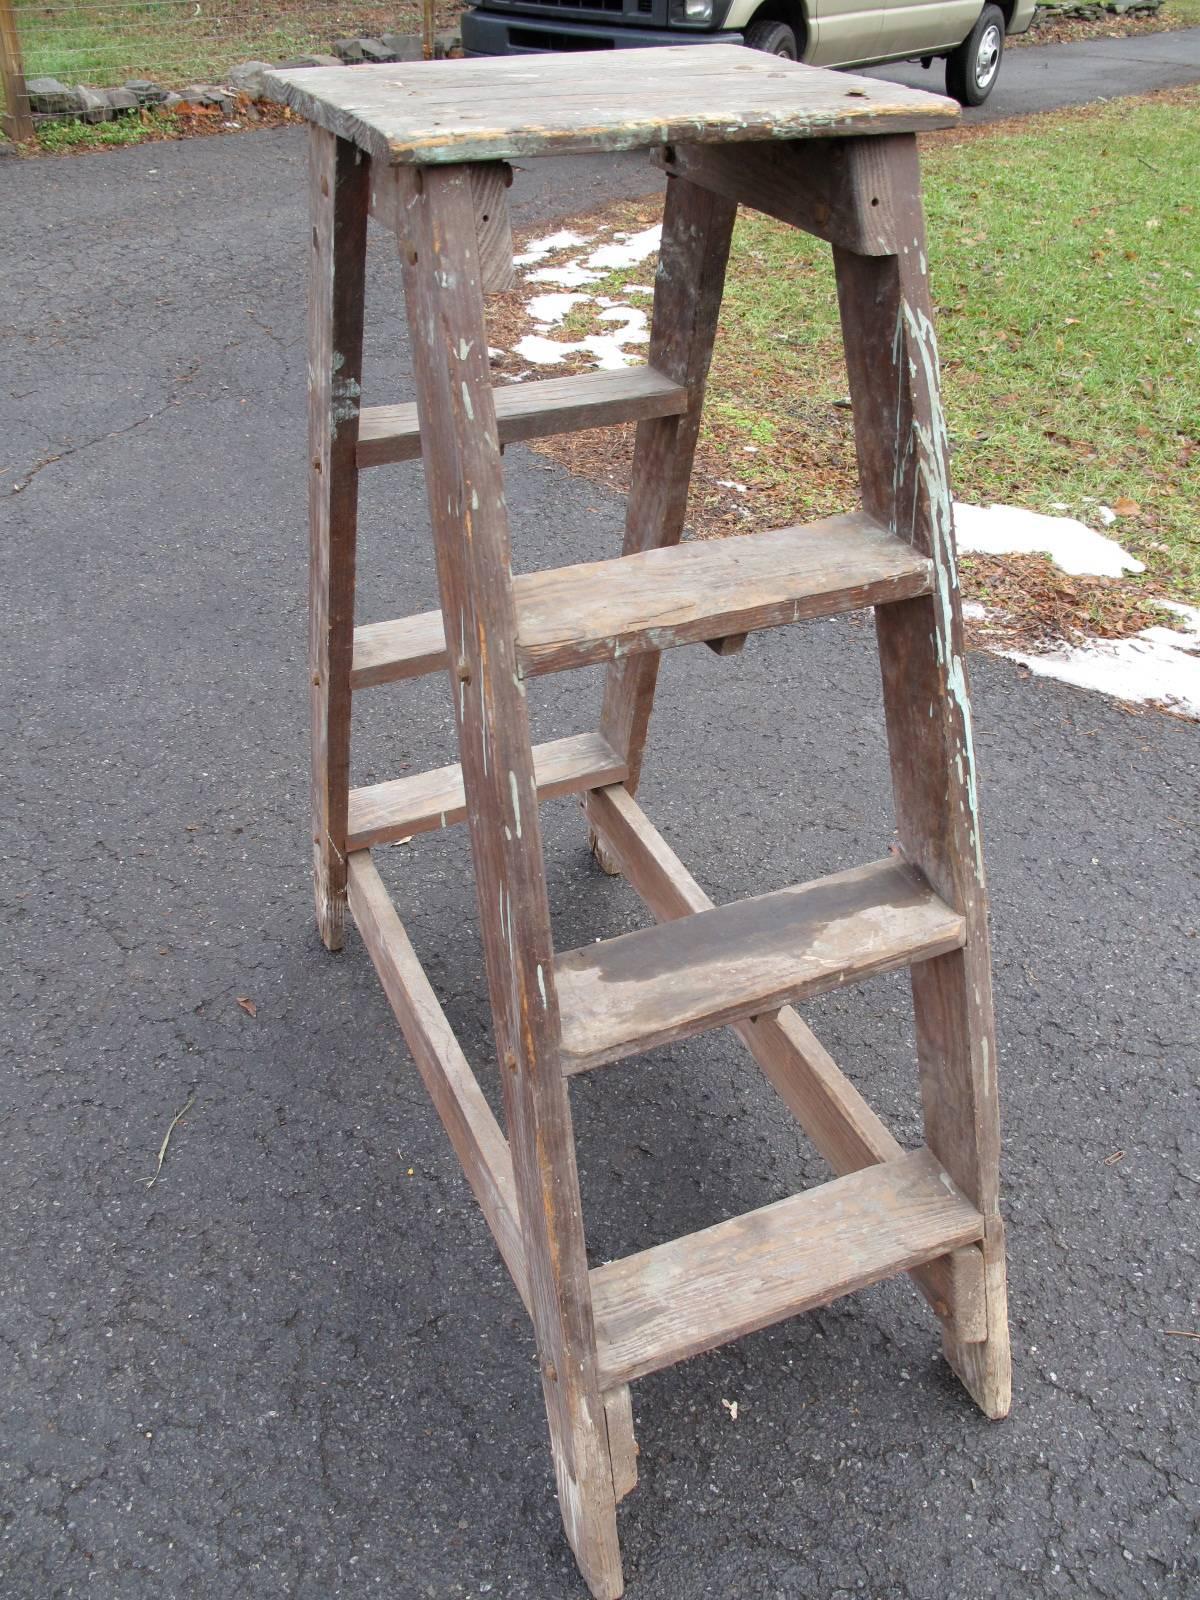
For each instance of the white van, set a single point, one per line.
(968, 34)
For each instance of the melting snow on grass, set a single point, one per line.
(539, 249)
(1071, 545)
(608, 350)
(1158, 666)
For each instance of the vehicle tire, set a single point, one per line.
(972, 69)
(776, 38)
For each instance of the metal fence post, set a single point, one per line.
(17, 121)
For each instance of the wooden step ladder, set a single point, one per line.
(423, 148)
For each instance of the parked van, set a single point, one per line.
(967, 34)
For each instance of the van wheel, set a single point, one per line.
(776, 38)
(972, 69)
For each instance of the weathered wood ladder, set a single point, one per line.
(422, 148)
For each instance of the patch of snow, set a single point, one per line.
(548, 309)
(541, 351)
(539, 249)
(570, 275)
(998, 530)
(1107, 515)
(628, 252)
(728, 483)
(606, 349)
(494, 354)
(974, 610)
(639, 288)
(1155, 667)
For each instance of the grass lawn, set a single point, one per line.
(1065, 264)
(174, 42)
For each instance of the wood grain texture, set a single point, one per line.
(691, 1294)
(338, 176)
(456, 1095)
(834, 188)
(829, 1108)
(490, 181)
(406, 647)
(436, 799)
(645, 603)
(622, 1443)
(485, 110)
(709, 589)
(904, 455)
(624, 995)
(461, 455)
(17, 119)
(533, 410)
(985, 1367)
(697, 229)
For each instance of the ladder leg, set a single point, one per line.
(697, 226)
(339, 178)
(903, 454)
(461, 453)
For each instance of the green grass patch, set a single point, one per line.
(175, 42)
(1065, 264)
(56, 138)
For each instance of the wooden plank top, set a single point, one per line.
(492, 108)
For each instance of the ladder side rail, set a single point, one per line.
(339, 179)
(697, 229)
(461, 453)
(903, 454)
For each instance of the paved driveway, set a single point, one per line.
(294, 1367)
(1046, 77)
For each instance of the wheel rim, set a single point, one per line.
(987, 58)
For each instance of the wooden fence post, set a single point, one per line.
(17, 122)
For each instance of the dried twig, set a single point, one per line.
(162, 1149)
(1181, 1333)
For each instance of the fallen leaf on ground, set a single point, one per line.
(1125, 507)
(247, 1005)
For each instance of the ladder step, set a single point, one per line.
(708, 589)
(532, 410)
(386, 811)
(677, 1299)
(621, 996)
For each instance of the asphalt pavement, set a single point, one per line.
(294, 1366)
(1047, 77)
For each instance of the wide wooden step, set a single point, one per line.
(702, 590)
(384, 811)
(620, 996)
(689, 1295)
(533, 410)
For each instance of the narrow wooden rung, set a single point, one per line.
(677, 1299)
(533, 410)
(620, 996)
(684, 594)
(384, 811)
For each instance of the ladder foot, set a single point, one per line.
(605, 859)
(330, 903)
(985, 1369)
(587, 1499)
(622, 1443)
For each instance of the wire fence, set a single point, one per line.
(173, 43)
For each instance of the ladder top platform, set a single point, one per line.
(489, 109)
